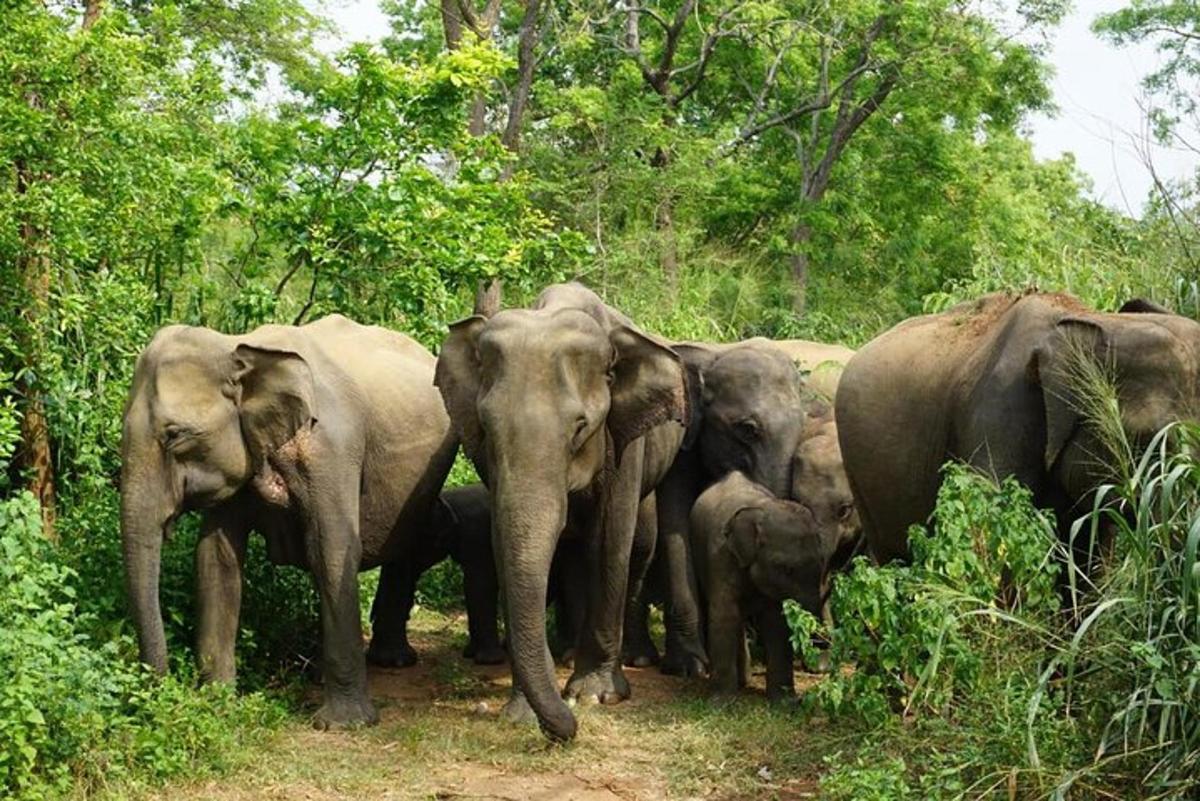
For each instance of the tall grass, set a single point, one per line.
(1134, 663)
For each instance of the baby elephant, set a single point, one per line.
(752, 552)
(462, 530)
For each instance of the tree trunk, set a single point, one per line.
(487, 297)
(664, 221)
(33, 265)
(91, 12)
(801, 237)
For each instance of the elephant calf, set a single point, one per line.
(752, 551)
(819, 482)
(462, 530)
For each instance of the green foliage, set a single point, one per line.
(914, 632)
(1133, 665)
(77, 711)
(147, 175)
(865, 780)
(995, 685)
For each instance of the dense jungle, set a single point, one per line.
(717, 171)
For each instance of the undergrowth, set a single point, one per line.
(978, 684)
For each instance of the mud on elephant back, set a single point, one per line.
(328, 439)
(1003, 384)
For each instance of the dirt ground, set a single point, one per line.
(440, 737)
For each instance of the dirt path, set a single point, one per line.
(440, 737)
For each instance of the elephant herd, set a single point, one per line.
(617, 468)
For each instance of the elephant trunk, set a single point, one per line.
(526, 529)
(145, 518)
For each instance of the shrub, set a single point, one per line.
(915, 632)
(78, 710)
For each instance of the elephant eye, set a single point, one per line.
(175, 435)
(845, 510)
(747, 429)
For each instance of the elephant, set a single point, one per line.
(993, 382)
(820, 363)
(571, 415)
(753, 551)
(461, 529)
(329, 439)
(749, 415)
(819, 482)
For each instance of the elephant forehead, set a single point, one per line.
(550, 333)
(187, 390)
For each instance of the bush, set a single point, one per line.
(915, 632)
(996, 687)
(75, 710)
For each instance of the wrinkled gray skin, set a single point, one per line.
(989, 382)
(571, 415)
(461, 529)
(328, 439)
(748, 415)
(752, 552)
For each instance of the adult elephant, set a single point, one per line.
(566, 409)
(749, 416)
(820, 363)
(329, 439)
(994, 382)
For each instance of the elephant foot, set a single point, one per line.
(781, 697)
(640, 654)
(518, 711)
(399, 655)
(345, 713)
(599, 686)
(567, 658)
(486, 654)
(679, 661)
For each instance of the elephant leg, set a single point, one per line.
(481, 589)
(822, 664)
(726, 640)
(335, 553)
(637, 647)
(685, 655)
(570, 597)
(220, 557)
(743, 657)
(389, 616)
(776, 638)
(599, 676)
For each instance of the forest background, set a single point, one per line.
(716, 169)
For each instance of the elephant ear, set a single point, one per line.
(743, 533)
(649, 386)
(697, 359)
(1057, 367)
(457, 377)
(275, 396)
(1142, 306)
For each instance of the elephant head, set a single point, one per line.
(819, 482)
(1151, 357)
(750, 411)
(545, 402)
(205, 417)
(783, 550)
